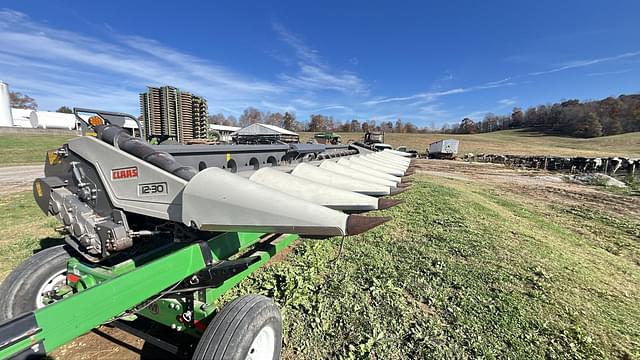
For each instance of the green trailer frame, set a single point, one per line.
(176, 285)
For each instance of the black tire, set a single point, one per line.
(19, 291)
(233, 330)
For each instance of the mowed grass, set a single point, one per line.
(517, 142)
(28, 149)
(23, 229)
(462, 271)
(31, 149)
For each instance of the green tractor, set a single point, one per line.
(327, 137)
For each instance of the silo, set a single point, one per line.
(5, 106)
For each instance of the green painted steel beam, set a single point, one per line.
(265, 255)
(63, 321)
(167, 316)
(80, 313)
(134, 282)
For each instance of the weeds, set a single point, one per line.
(461, 272)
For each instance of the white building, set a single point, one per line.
(265, 134)
(26, 118)
(224, 132)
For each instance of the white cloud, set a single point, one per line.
(605, 73)
(313, 72)
(305, 102)
(433, 112)
(332, 107)
(59, 67)
(588, 62)
(303, 52)
(500, 82)
(426, 96)
(507, 102)
(277, 107)
(432, 95)
(476, 115)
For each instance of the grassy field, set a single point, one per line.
(27, 149)
(23, 228)
(518, 142)
(463, 271)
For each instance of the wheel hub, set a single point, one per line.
(263, 346)
(49, 287)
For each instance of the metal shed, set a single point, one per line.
(264, 134)
(223, 131)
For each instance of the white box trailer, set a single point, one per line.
(443, 149)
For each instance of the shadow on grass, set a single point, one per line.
(532, 132)
(50, 242)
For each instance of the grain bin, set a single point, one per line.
(5, 106)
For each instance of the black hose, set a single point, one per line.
(120, 138)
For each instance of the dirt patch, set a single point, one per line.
(282, 254)
(108, 343)
(18, 178)
(530, 186)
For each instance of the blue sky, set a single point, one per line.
(424, 62)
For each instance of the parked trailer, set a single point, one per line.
(148, 237)
(443, 149)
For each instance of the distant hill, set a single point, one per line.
(30, 149)
(521, 141)
(610, 116)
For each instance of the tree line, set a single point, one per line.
(19, 100)
(315, 123)
(610, 116)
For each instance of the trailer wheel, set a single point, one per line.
(249, 327)
(22, 289)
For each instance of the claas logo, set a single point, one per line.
(124, 173)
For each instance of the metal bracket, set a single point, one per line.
(155, 341)
(215, 274)
(207, 254)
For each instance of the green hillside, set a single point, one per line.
(30, 149)
(519, 142)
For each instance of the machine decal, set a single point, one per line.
(159, 188)
(124, 173)
(53, 157)
(38, 186)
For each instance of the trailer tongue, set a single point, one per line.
(148, 236)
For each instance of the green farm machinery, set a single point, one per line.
(151, 239)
